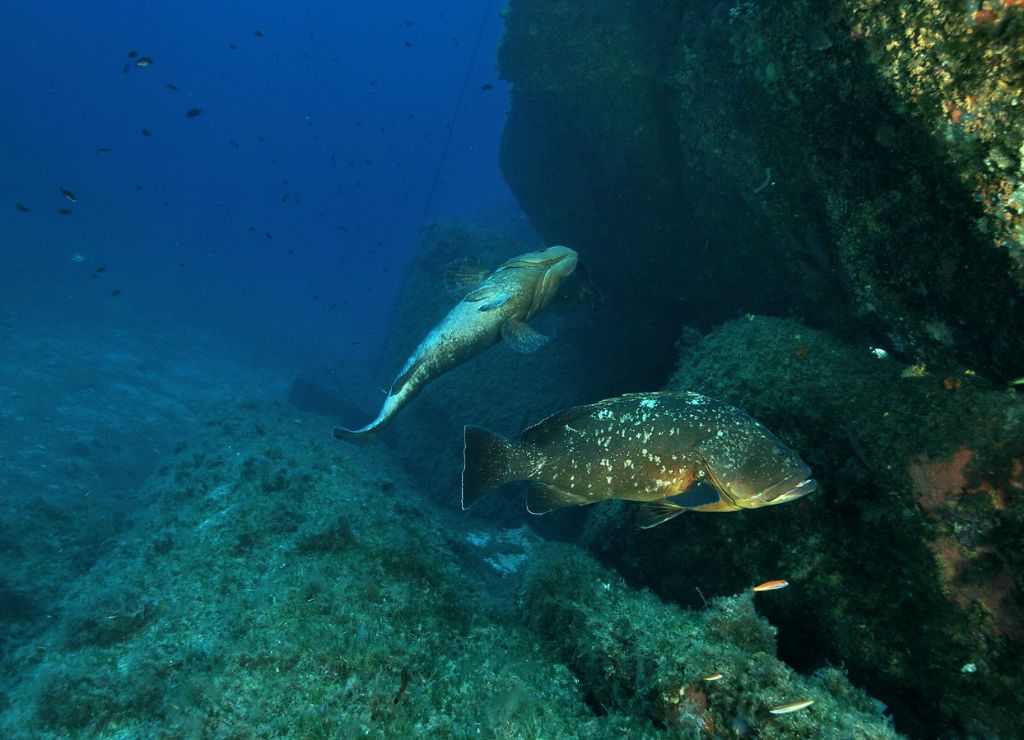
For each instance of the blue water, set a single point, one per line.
(291, 205)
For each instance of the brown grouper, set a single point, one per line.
(649, 447)
(494, 306)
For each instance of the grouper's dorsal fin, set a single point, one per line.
(522, 337)
(463, 275)
(538, 432)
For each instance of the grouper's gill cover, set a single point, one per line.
(646, 447)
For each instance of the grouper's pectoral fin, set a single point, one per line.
(651, 515)
(461, 276)
(522, 337)
(488, 297)
(542, 498)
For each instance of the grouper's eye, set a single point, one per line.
(779, 452)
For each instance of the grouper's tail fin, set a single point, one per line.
(365, 436)
(489, 460)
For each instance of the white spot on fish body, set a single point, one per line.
(627, 464)
(605, 414)
(649, 403)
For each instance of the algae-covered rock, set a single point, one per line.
(857, 163)
(902, 566)
(278, 585)
(698, 673)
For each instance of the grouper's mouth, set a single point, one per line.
(784, 491)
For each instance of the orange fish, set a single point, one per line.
(770, 586)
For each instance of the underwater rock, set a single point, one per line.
(902, 567)
(702, 673)
(339, 604)
(873, 184)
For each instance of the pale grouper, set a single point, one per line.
(653, 448)
(495, 306)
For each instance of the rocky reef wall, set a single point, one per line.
(856, 168)
(856, 164)
(903, 567)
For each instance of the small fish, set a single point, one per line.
(258, 33)
(233, 143)
(68, 195)
(770, 586)
(102, 149)
(63, 211)
(171, 86)
(408, 43)
(487, 86)
(146, 132)
(22, 207)
(193, 112)
(792, 706)
(116, 292)
(714, 677)
(124, 69)
(100, 269)
(143, 62)
(671, 452)
(132, 54)
(233, 47)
